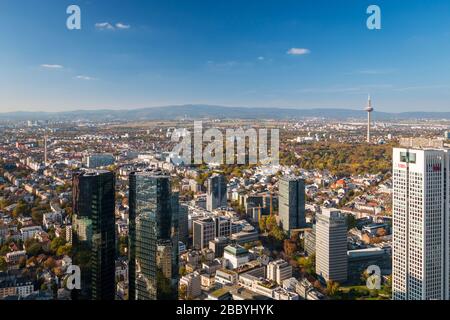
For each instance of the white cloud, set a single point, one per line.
(87, 78)
(261, 58)
(109, 26)
(298, 51)
(104, 26)
(122, 26)
(52, 66)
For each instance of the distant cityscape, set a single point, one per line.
(225, 158)
(355, 210)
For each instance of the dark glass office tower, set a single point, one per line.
(292, 203)
(93, 234)
(216, 195)
(153, 234)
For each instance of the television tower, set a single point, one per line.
(45, 149)
(369, 110)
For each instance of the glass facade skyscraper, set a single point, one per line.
(153, 232)
(216, 196)
(292, 202)
(93, 234)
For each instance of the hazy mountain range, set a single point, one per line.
(216, 112)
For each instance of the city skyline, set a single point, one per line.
(188, 151)
(308, 55)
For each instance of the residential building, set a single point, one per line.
(29, 232)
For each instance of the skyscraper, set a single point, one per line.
(153, 232)
(183, 223)
(93, 234)
(420, 261)
(292, 202)
(331, 245)
(216, 196)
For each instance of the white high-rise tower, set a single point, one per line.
(421, 247)
(369, 110)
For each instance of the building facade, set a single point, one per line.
(183, 223)
(99, 160)
(204, 231)
(94, 251)
(331, 246)
(420, 262)
(216, 196)
(153, 232)
(278, 271)
(292, 203)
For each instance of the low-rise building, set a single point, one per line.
(235, 256)
(29, 232)
(226, 277)
(192, 284)
(15, 256)
(278, 271)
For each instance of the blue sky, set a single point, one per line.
(224, 52)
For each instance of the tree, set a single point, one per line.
(271, 222)
(64, 250)
(277, 233)
(3, 204)
(34, 249)
(58, 272)
(22, 262)
(56, 243)
(364, 277)
(351, 221)
(37, 216)
(262, 224)
(332, 288)
(50, 263)
(387, 286)
(3, 264)
(20, 210)
(290, 247)
(182, 292)
(31, 262)
(4, 250)
(308, 264)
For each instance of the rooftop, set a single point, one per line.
(236, 250)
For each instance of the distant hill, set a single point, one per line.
(217, 112)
